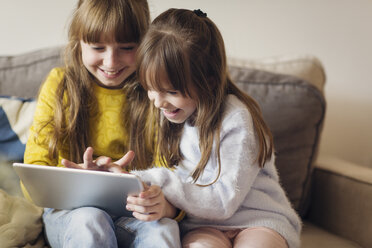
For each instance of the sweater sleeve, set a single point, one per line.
(220, 200)
(37, 144)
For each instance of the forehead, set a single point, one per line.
(109, 40)
(162, 70)
(98, 32)
(102, 37)
(112, 18)
(158, 81)
(108, 37)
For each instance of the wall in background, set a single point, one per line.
(338, 32)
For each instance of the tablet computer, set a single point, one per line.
(66, 188)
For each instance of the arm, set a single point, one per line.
(238, 172)
(37, 144)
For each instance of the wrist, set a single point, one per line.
(170, 211)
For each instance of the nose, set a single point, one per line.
(156, 98)
(110, 59)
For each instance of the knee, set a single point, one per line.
(168, 222)
(162, 227)
(87, 215)
(82, 227)
(167, 225)
(90, 219)
(205, 237)
(92, 225)
(164, 233)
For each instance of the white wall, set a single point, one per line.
(338, 32)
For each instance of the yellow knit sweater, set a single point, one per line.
(107, 135)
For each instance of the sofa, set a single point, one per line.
(331, 196)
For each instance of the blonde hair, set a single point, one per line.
(188, 49)
(122, 21)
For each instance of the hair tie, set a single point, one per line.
(200, 13)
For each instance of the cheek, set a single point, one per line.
(191, 103)
(88, 58)
(84, 59)
(150, 95)
(130, 58)
(193, 106)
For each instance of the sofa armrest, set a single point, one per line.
(341, 199)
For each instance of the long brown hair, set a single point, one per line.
(188, 49)
(123, 21)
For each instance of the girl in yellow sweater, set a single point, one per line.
(90, 108)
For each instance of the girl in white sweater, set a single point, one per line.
(213, 137)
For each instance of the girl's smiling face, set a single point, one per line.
(176, 107)
(110, 62)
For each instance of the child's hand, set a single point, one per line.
(150, 205)
(101, 163)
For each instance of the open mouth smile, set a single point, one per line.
(111, 74)
(170, 113)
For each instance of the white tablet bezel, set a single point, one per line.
(66, 188)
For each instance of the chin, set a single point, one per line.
(177, 121)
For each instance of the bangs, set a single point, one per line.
(154, 76)
(163, 66)
(117, 23)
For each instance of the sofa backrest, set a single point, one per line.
(21, 75)
(294, 108)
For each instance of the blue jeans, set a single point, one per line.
(93, 227)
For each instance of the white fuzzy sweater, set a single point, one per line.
(245, 195)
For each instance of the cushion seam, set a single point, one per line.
(343, 176)
(30, 63)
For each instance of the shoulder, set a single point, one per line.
(55, 75)
(234, 104)
(57, 72)
(236, 113)
(52, 81)
(49, 87)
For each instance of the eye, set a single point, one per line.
(97, 48)
(172, 92)
(127, 48)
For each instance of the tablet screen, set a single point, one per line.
(66, 188)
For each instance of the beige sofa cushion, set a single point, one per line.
(343, 199)
(316, 237)
(21, 75)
